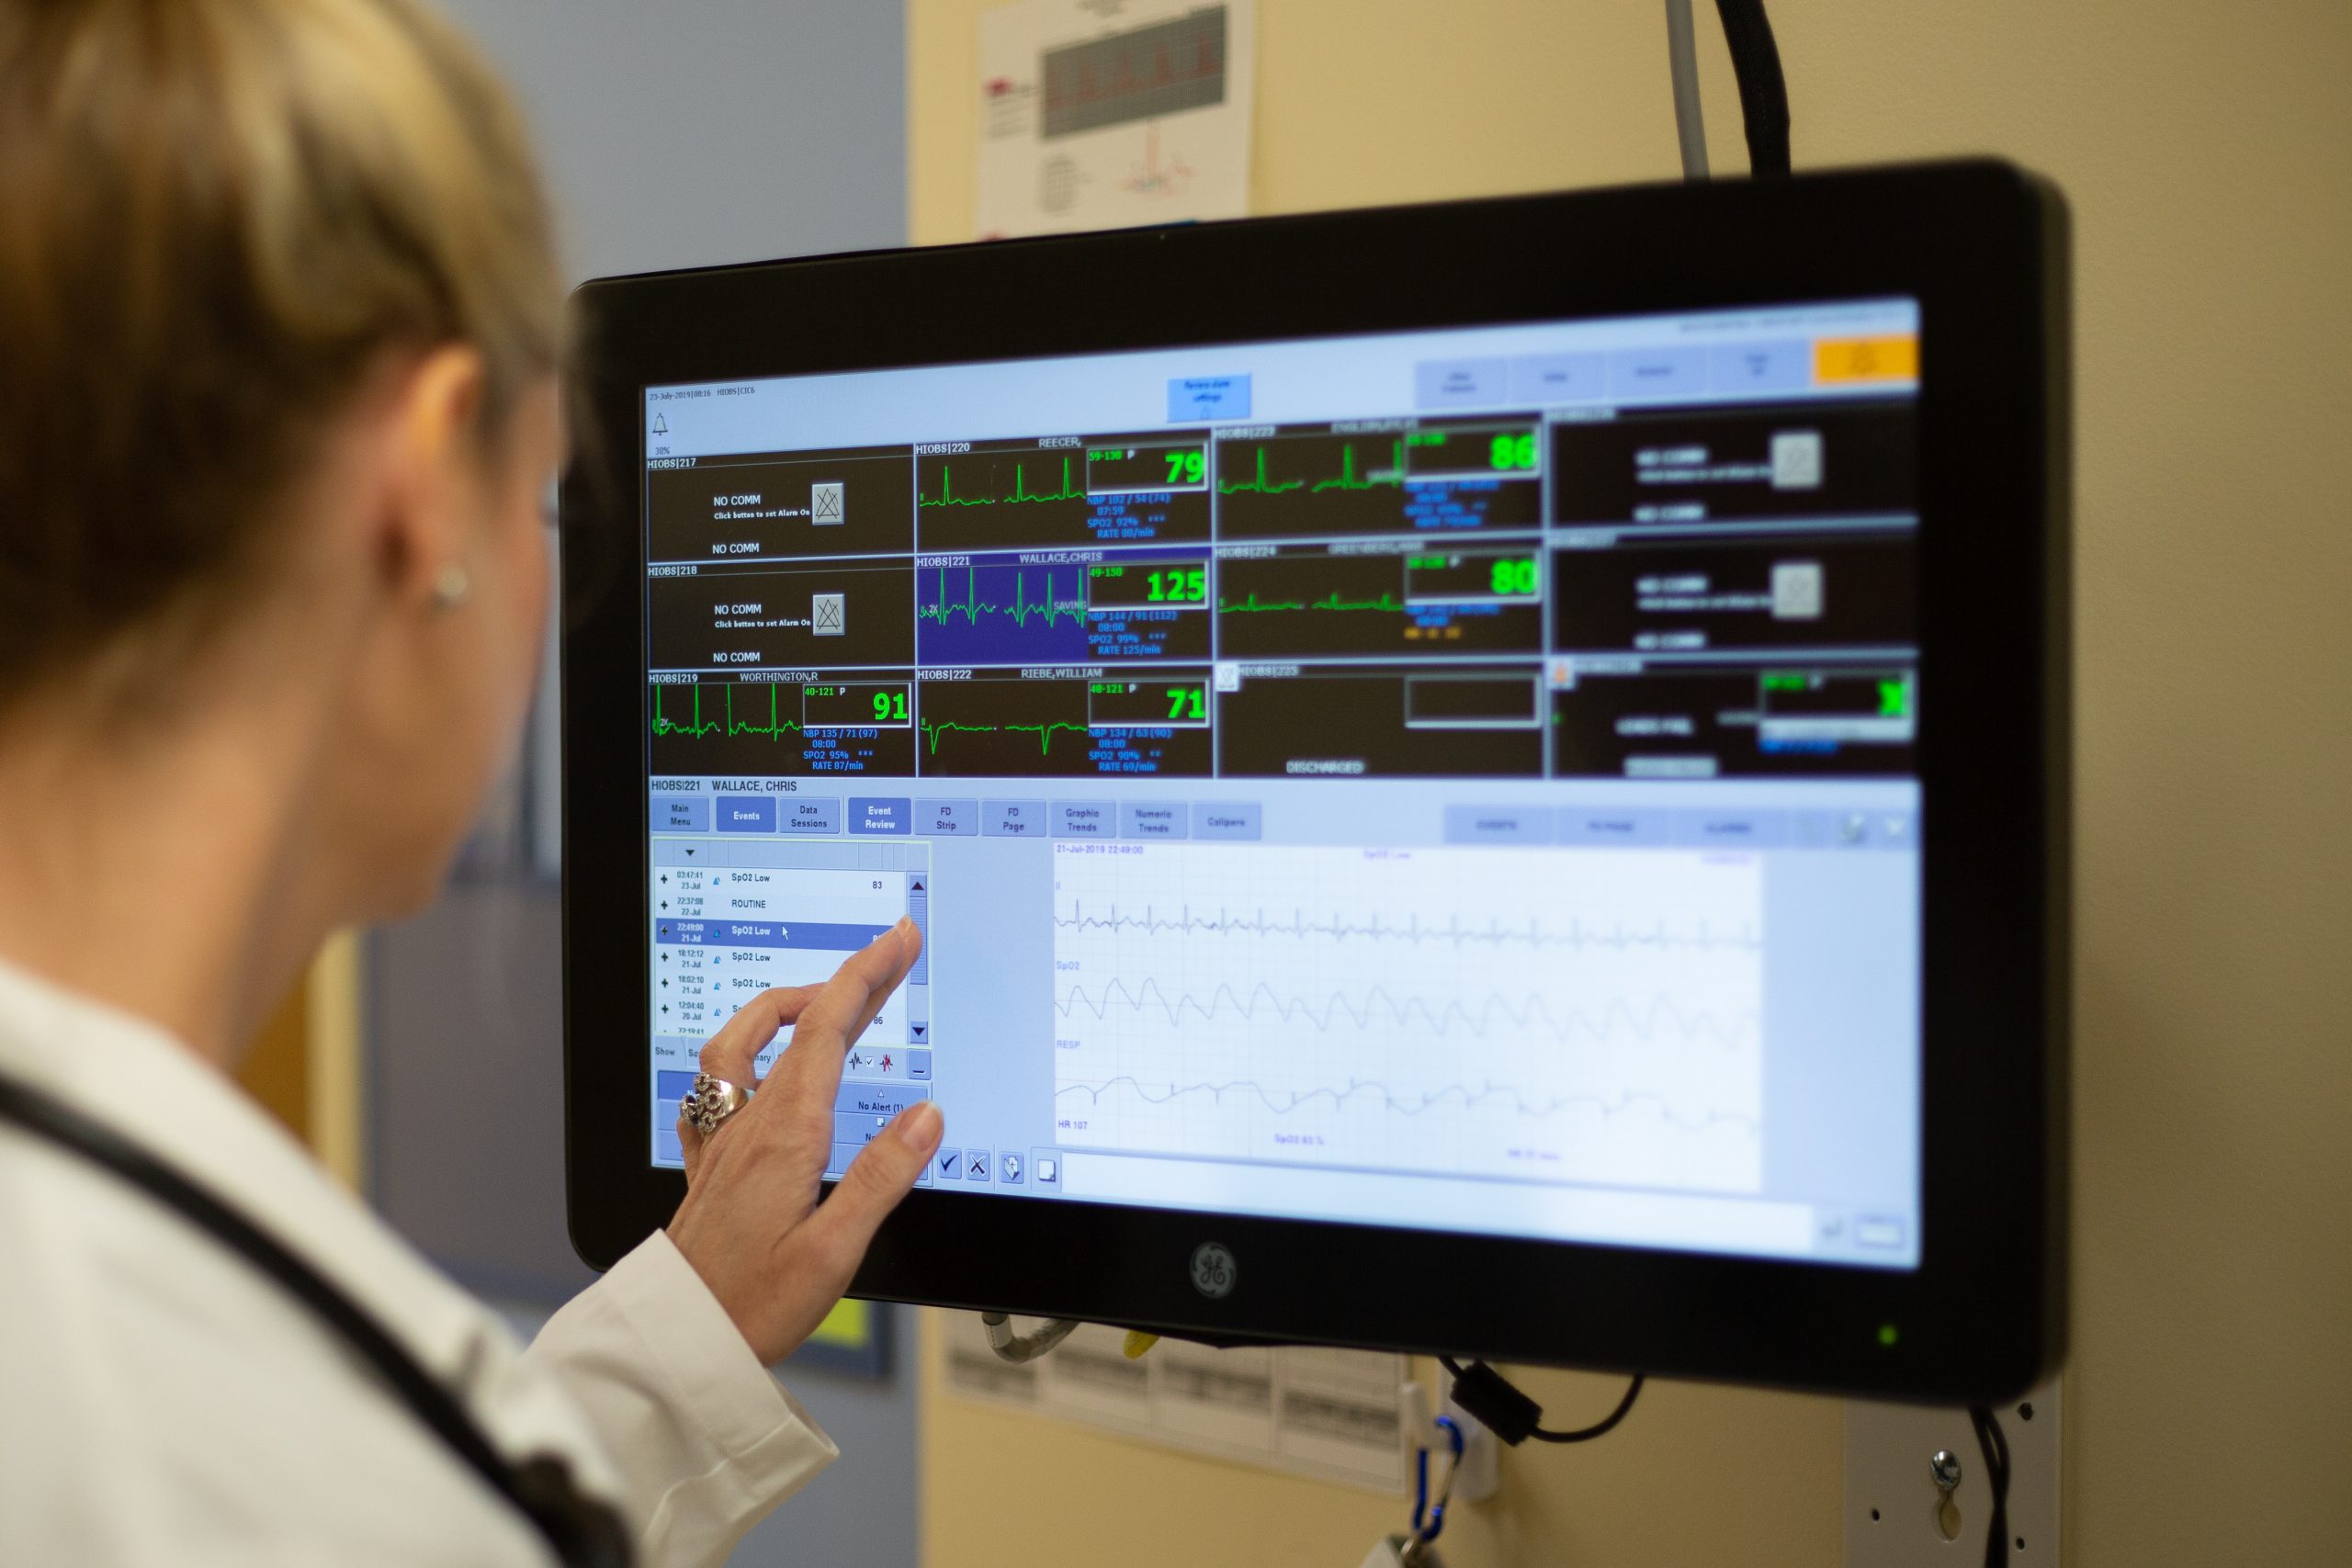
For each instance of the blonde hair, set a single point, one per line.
(216, 217)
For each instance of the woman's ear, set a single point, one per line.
(433, 476)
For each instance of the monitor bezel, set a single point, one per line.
(1981, 245)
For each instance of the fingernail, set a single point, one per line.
(906, 924)
(918, 1126)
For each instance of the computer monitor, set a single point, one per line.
(1481, 778)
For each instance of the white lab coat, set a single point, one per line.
(162, 1403)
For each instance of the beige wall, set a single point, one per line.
(2206, 151)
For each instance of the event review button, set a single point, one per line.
(681, 814)
(872, 815)
(745, 813)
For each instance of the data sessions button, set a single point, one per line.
(807, 814)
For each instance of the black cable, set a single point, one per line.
(579, 1530)
(1995, 1444)
(1763, 90)
(1503, 1409)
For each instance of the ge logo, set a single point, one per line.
(1214, 1269)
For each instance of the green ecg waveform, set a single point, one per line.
(1387, 602)
(947, 496)
(698, 726)
(1043, 732)
(1022, 611)
(1261, 485)
(1347, 479)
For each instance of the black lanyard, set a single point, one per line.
(582, 1531)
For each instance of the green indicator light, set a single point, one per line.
(1887, 1334)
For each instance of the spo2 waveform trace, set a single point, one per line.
(1459, 779)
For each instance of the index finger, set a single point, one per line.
(730, 1054)
(809, 1071)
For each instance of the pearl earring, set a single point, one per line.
(452, 587)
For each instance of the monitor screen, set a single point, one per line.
(1461, 779)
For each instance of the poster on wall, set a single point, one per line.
(1108, 113)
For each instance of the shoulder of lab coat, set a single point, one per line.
(165, 1402)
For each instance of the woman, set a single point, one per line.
(278, 328)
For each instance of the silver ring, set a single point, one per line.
(711, 1101)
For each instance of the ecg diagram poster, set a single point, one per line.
(1335, 1414)
(1107, 114)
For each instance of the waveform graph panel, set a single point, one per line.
(1000, 610)
(1465, 721)
(1384, 477)
(1083, 723)
(834, 613)
(1098, 489)
(1309, 600)
(1060, 606)
(1588, 1016)
(710, 725)
(853, 501)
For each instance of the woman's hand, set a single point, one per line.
(750, 1224)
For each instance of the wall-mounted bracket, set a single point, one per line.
(1897, 1512)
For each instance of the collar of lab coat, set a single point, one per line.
(135, 1077)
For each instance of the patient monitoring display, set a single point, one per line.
(1459, 780)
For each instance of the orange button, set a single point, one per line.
(1866, 358)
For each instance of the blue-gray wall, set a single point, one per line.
(679, 134)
